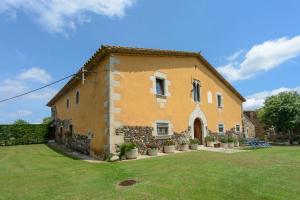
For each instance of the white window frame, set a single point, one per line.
(219, 128)
(198, 83)
(222, 100)
(167, 83)
(236, 128)
(170, 127)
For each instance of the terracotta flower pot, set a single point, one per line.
(152, 152)
(183, 147)
(210, 144)
(132, 154)
(231, 145)
(194, 146)
(224, 145)
(169, 149)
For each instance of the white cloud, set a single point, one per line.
(257, 100)
(24, 82)
(58, 15)
(260, 58)
(36, 74)
(235, 55)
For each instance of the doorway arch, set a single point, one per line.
(198, 130)
(198, 114)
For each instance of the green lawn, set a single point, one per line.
(38, 172)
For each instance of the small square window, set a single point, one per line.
(162, 128)
(221, 128)
(237, 128)
(160, 86)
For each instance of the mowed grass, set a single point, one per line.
(38, 172)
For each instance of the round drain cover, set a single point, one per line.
(127, 183)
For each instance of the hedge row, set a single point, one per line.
(23, 134)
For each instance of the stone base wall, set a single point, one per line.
(142, 135)
(79, 143)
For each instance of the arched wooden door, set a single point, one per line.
(198, 129)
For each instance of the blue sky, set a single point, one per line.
(254, 44)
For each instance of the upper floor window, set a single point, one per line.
(53, 112)
(68, 103)
(221, 128)
(162, 128)
(160, 86)
(77, 98)
(219, 100)
(196, 91)
(237, 128)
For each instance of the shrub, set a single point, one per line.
(126, 147)
(210, 138)
(20, 134)
(230, 139)
(194, 141)
(223, 139)
(169, 142)
(182, 140)
(152, 146)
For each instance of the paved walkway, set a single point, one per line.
(89, 159)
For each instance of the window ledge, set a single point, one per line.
(161, 96)
(163, 136)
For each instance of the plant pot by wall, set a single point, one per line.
(132, 154)
(210, 144)
(236, 144)
(169, 149)
(183, 147)
(194, 146)
(152, 152)
(231, 145)
(224, 145)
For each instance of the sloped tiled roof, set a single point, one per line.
(106, 50)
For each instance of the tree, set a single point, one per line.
(282, 111)
(47, 120)
(20, 122)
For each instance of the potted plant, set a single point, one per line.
(152, 149)
(236, 141)
(169, 146)
(210, 140)
(183, 143)
(230, 141)
(194, 143)
(129, 150)
(224, 142)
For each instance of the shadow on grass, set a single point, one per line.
(62, 152)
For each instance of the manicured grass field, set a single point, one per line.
(38, 172)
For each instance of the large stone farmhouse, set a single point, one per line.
(123, 93)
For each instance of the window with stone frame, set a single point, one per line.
(77, 97)
(196, 91)
(162, 128)
(68, 103)
(221, 128)
(160, 86)
(237, 128)
(219, 100)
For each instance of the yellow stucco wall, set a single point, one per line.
(138, 106)
(88, 115)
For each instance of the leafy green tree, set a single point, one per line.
(20, 122)
(47, 120)
(282, 112)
